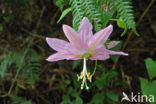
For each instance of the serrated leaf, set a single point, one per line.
(151, 67)
(64, 13)
(148, 88)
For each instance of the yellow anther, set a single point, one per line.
(80, 77)
(89, 76)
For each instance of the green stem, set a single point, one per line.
(94, 68)
(114, 19)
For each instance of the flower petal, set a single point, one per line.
(117, 53)
(61, 56)
(100, 54)
(113, 44)
(100, 37)
(85, 31)
(57, 44)
(72, 36)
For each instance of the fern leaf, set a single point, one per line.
(4, 65)
(125, 11)
(93, 13)
(77, 12)
(86, 8)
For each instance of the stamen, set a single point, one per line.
(84, 75)
(89, 76)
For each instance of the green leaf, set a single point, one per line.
(67, 82)
(65, 99)
(134, 30)
(1, 27)
(151, 67)
(111, 74)
(105, 78)
(8, 18)
(78, 100)
(100, 82)
(98, 98)
(112, 96)
(64, 13)
(124, 32)
(72, 92)
(121, 23)
(148, 88)
(63, 86)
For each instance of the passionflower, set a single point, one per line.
(83, 45)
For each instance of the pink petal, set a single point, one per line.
(85, 32)
(72, 36)
(117, 53)
(61, 56)
(100, 54)
(113, 44)
(100, 37)
(57, 44)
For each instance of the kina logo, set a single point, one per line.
(137, 97)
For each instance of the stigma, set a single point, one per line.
(84, 75)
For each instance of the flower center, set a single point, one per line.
(86, 55)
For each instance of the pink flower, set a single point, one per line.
(83, 45)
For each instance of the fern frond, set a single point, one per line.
(86, 8)
(4, 65)
(31, 67)
(77, 12)
(124, 9)
(93, 13)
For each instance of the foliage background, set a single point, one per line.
(26, 78)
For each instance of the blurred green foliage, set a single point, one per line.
(19, 100)
(27, 63)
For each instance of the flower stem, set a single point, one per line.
(95, 68)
